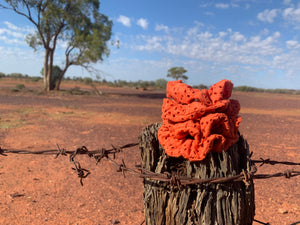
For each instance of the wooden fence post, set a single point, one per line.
(206, 204)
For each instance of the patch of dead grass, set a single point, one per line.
(20, 116)
(273, 112)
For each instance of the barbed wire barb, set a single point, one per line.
(174, 180)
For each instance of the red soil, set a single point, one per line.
(43, 190)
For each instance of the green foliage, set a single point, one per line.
(78, 91)
(18, 88)
(15, 75)
(35, 79)
(77, 23)
(56, 71)
(88, 80)
(2, 74)
(200, 86)
(161, 83)
(177, 73)
(245, 88)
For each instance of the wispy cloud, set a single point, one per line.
(13, 35)
(162, 27)
(25, 29)
(292, 14)
(222, 6)
(228, 50)
(124, 20)
(286, 2)
(12, 26)
(142, 23)
(268, 15)
(292, 44)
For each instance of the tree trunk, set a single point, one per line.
(61, 75)
(45, 72)
(50, 66)
(210, 204)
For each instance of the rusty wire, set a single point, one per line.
(173, 179)
(274, 162)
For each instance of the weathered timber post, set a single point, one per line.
(230, 203)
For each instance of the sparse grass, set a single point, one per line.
(78, 91)
(263, 90)
(18, 88)
(273, 112)
(12, 123)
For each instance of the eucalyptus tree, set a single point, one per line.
(76, 25)
(177, 73)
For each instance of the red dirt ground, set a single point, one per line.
(38, 189)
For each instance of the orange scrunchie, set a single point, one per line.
(196, 122)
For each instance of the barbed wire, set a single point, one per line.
(273, 162)
(173, 179)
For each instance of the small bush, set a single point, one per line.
(15, 75)
(161, 83)
(200, 86)
(18, 88)
(35, 79)
(77, 91)
(88, 80)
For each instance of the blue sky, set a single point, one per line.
(250, 42)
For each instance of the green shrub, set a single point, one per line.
(35, 79)
(56, 70)
(15, 75)
(77, 91)
(2, 74)
(88, 80)
(18, 88)
(161, 83)
(200, 86)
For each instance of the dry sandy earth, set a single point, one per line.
(38, 189)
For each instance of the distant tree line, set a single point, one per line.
(159, 83)
(245, 88)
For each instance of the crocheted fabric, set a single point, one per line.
(196, 122)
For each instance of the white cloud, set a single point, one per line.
(235, 5)
(267, 15)
(160, 27)
(209, 13)
(14, 35)
(247, 6)
(223, 49)
(292, 14)
(222, 34)
(292, 44)
(10, 41)
(204, 5)
(222, 6)
(143, 23)
(11, 33)
(11, 26)
(124, 20)
(151, 43)
(237, 37)
(25, 29)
